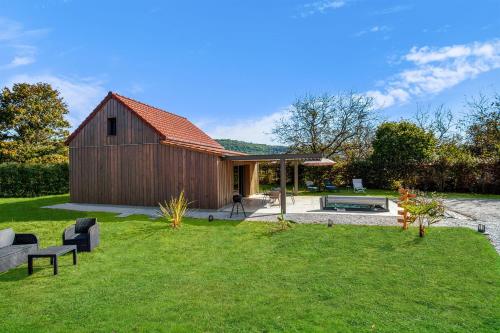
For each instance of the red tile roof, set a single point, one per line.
(169, 125)
(173, 129)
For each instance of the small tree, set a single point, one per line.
(174, 210)
(283, 224)
(424, 210)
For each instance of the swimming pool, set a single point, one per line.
(355, 203)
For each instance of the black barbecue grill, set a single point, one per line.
(238, 201)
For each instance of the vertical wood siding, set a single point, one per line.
(129, 128)
(143, 175)
(134, 168)
(225, 182)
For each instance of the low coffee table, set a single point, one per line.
(53, 253)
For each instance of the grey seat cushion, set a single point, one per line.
(10, 250)
(6, 237)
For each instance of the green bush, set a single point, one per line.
(29, 180)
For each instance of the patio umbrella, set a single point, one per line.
(322, 162)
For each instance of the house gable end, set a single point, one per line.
(130, 128)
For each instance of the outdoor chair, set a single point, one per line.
(310, 186)
(357, 185)
(84, 234)
(14, 248)
(274, 196)
(330, 187)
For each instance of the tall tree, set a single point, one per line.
(327, 124)
(438, 120)
(399, 148)
(483, 126)
(32, 124)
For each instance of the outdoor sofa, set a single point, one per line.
(84, 234)
(14, 248)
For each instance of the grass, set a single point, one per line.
(385, 193)
(229, 276)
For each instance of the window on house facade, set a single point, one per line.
(111, 126)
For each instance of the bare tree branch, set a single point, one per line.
(327, 124)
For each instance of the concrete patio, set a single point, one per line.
(303, 209)
(306, 209)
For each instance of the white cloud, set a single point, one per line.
(11, 30)
(81, 95)
(374, 29)
(320, 7)
(250, 130)
(15, 39)
(20, 61)
(425, 54)
(378, 28)
(392, 10)
(429, 71)
(436, 69)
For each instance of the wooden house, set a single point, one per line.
(130, 153)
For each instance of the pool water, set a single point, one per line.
(354, 204)
(354, 207)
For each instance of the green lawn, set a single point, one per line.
(229, 276)
(384, 193)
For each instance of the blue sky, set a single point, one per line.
(232, 67)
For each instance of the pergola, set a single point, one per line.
(282, 158)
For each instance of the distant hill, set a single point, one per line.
(251, 148)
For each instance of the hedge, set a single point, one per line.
(30, 180)
(473, 176)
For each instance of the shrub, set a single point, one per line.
(283, 224)
(30, 180)
(399, 149)
(425, 210)
(174, 210)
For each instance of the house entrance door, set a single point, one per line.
(239, 173)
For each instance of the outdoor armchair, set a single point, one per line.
(329, 186)
(274, 196)
(84, 234)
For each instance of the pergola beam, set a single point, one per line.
(274, 157)
(282, 158)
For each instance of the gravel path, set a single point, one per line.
(471, 212)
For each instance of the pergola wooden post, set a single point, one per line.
(295, 177)
(282, 158)
(283, 185)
